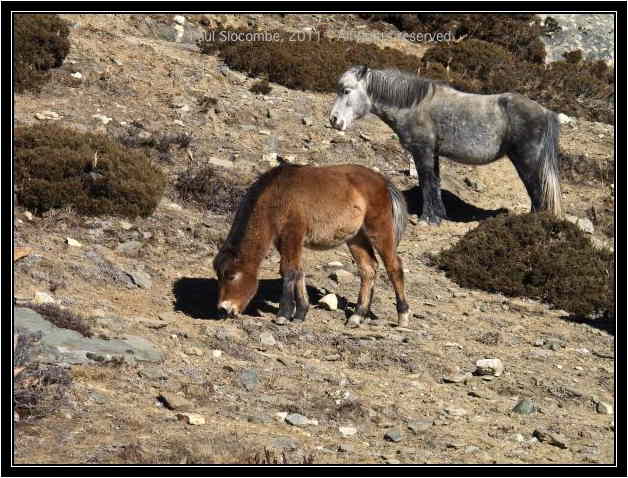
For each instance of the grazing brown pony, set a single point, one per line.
(292, 207)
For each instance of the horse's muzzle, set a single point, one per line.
(335, 123)
(226, 310)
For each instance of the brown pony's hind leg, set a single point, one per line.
(384, 242)
(364, 256)
(303, 303)
(290, 248)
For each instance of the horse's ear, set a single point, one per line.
(362, 70)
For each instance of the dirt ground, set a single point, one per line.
(376, 379)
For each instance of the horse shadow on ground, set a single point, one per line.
(457, 209)
(604, 323)
(198, 297)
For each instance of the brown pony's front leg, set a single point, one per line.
(364, 256)
(290, 248)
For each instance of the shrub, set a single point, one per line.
(504, 52)
(38, 389)
(261, 87)
(41, 42)
(533, 255)
(62, 318)
(578, 89)
(57, 167)
(312, 64)
(209, 190)
(519, 34)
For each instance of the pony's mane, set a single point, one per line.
(397, 88)
(247, 206)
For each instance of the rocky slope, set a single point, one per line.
(206, 390)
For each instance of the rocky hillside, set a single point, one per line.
(475, 378)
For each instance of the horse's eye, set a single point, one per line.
(347, 91)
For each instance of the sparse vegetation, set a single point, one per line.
(62, 318)
(533, 255)
(57, 167)
(206, 188)
(262, 87)
(38, 389)
(41, 43)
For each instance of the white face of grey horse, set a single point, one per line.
(352, 100)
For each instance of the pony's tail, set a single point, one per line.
(550, 167)
(399, 211)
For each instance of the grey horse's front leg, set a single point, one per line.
(427, 166)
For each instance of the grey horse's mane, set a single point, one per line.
(397, 88)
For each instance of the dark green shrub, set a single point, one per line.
(519, 34)
(209, 190)
(41, 42)
(311, 64)
(533, 255)
(57, 167)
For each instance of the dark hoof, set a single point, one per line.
(280, 321)
(431, 219)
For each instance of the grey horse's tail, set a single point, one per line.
(550, 167)
(399, 210)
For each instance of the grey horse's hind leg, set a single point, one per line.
(428, 169)
(529, 170)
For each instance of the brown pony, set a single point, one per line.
(320, 208)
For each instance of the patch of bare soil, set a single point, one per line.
(359, 389)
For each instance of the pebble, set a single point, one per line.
(47, 115)
(342, 275)
(416, 426)
(77, 75)
(555, 439)
(583, 223)
(102, 118)
(564, 119)
(334, 265)
(216, 353)
(73, 242)
(223, 163)
(173, 402)
(298, 420)
(141, 279)
(28, 215)
(525, 407)
(192, 418)
(393, 435)
(455, 412)
(43, 298)
(266, 338)
(604, 408)
(307, 121)
(348, 431)
(493, 367)
(249, 379)
(180, 19)
(458, 378)
(285, 443)
(329, 301)
(194, 351)
(281, 416)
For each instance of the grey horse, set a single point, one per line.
(433, 119)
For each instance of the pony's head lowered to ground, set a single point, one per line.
(235, 282)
